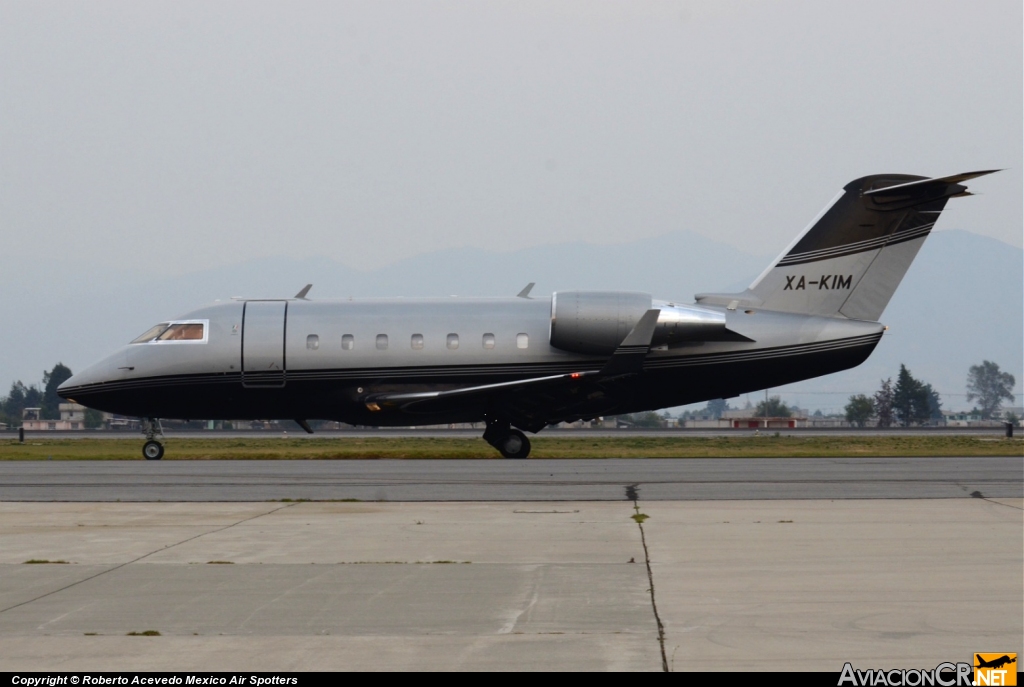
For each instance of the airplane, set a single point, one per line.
(994, 663)
(520, 364)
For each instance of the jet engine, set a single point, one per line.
(596, 322)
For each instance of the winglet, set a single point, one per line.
(301, 295)
(525, 293)
(629, 356)
(303, 423)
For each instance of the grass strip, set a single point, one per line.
(747, 446)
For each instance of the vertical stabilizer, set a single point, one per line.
(851, 259)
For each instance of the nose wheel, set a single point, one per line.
(511, 443)
(153, 449)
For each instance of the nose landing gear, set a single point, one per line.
(153, 449)
(511, 443)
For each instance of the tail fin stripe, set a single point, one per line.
(857, 247)
(866, 243)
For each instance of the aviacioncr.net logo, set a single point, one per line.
(943, 675)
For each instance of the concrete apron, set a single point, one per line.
(719, 585)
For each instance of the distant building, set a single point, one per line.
(72, 418)
(746, 419)
(72, 412)
(50, 425)
(970, 418)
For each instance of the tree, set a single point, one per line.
(645, 419)
(884, 403)
(989, 386)
(934, 403)
(92, 418)
(859, 410)
(716, 407)
(775, 408)
(909, 399)
(19, 398)
(51, 380)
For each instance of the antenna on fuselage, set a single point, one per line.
(301, 295)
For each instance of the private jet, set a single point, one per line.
(519, 364)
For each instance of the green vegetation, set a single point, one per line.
(773, 407)
(639, 517)
(145, 633)
(989, 386)
(574, 446)
(220, 562)
(859, 410)
(913, 401)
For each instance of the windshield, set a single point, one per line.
(151, 333)
(183, 331)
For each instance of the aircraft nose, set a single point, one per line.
(109, 369)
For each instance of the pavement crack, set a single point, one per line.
(650, 578)
(145, 555)
(1000, 503)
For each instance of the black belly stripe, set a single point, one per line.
(417, 374)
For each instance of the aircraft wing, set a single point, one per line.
(529, 404)
(405, 400)
(534, 402)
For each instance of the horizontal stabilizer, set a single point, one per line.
(924, 185)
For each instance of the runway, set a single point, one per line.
(505, 480)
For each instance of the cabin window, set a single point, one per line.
(522, 340)
(417, 342)
(191, 331)
(453, 341)
(488, 341)
(313, 342)
(348, 342)
(382, 342)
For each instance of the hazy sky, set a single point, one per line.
(175, 136)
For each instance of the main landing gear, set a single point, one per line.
(153, 449)
(511, 443)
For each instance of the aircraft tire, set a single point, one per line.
(152, 450)
(514, 445)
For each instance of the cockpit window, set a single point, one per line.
(182, 331)
(151, 333)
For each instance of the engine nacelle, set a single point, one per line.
(596, 322)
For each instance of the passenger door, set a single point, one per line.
(263, 343)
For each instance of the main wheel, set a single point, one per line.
(514, 445)
(152, 450)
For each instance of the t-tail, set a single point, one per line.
(854, 254)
